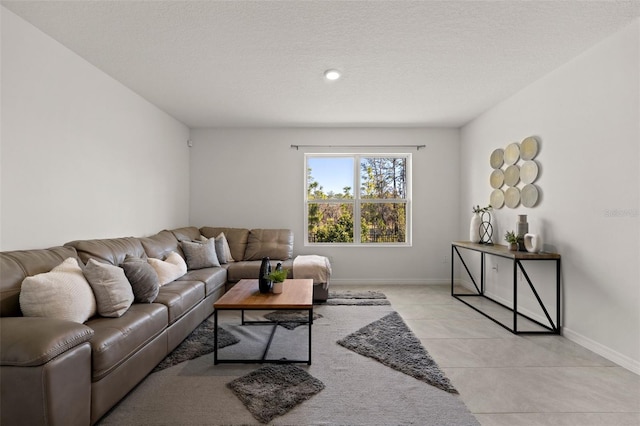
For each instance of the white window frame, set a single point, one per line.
(357, 200)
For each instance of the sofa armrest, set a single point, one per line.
(30, 341)
(45, 372)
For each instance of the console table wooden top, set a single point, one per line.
(503, 251)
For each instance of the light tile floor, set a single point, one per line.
(507, 379)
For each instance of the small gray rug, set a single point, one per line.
(198, 343)
(390, 342)
(284, 316)
(273, 390)
(356, 294)
(361, 298)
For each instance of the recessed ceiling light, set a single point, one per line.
(332, 74)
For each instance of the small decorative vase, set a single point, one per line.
(265, 284)
(522, 227)
(278, 287)
(513, 246)
(474, 228)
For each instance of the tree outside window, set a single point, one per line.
(381, 203)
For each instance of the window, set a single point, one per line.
(374, 188)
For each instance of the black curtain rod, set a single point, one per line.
(417, 147)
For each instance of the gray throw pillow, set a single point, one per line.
(143, 278)
(110, 287)
(200, 255)
(220, 242)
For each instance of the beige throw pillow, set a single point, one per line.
(111, 288)
(225, 250)
(61, 293)
(170, 269)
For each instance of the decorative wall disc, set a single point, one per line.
(497, 178)
(497, 199)
(529, 195)
(529, 148)
(512, 175)
(512, 153)
(529, 171)
(512, 197)
(497, 158)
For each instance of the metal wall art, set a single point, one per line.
(514, 173)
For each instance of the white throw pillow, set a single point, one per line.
(61, 293)
(170, 269)
(111, 288)
(224, 244)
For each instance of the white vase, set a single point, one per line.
(533, 243)
(277, 287)
(474, 228)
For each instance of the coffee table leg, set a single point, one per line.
(215, 337)
(310, 324)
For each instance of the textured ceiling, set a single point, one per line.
(261, 63)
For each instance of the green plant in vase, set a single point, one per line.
(512, 239)
(277, 275)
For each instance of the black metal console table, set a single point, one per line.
(517, 257)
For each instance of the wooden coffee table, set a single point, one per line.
(297, 295)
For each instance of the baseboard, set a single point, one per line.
(598, 348)
(387, 281)
(608, 353)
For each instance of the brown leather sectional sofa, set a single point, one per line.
(57, 372)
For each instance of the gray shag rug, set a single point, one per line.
(353, 297)
(198, 343)
(390, 342)
(284, 318)
(273, 390)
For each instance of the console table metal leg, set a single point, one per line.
(558, 296)
(482, 273)
(452, 270)
(515, 297)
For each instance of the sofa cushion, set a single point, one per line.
(213, 278)
(143, 278)
(62, 293)
(246, 270)
(271, 243)
(161, 244)
(169, 269)
(110, 287)
(112, 250)
(200, 254)
(180, 296)
(116, 339)
(189, 233)
(237, 238)
(15, 266)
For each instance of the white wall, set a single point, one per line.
(586, 115)
(252, 178)
(82, 156)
